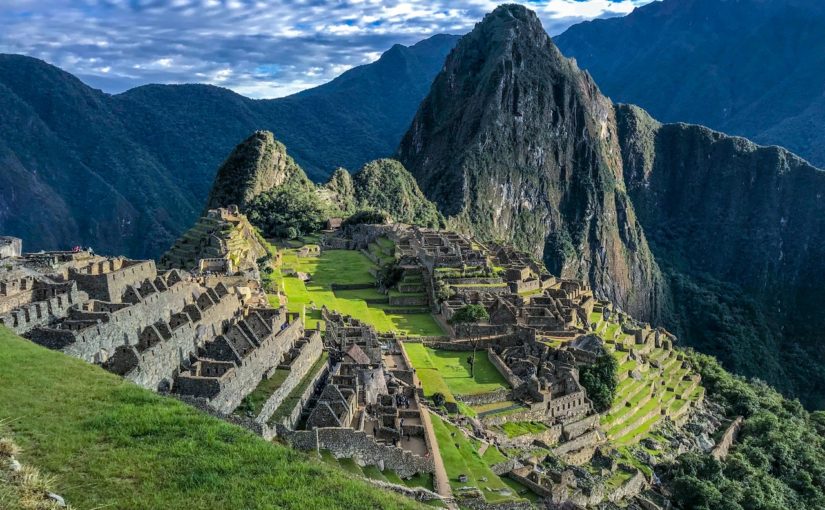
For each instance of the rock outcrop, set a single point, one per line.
(515, 142)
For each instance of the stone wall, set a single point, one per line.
(96, 343)
(291, 421)
(162, 361)
(357, 445)
(111, 286)
(489, 397)
(29, 316)
(585, 440)
(512, 379)
(310, 352)
(720, 451)
(248, 374)
(10, 247)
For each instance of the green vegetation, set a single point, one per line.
(254, 402)
(600, 381)
(110, 444)
(294, 396)
(461, 457)
(448, 372)
(385, 185)
(344, 267)
(777, 462)
(515, 429)
(288, 211)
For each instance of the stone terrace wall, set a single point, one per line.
(162, 360)
(41, 313)
(512, 379)
(246, 377)
(94, 344)
(310, 353)
(357, 445)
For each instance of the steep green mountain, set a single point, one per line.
(754, 68)
(386, 185)
(740, 232)
(266, 183)
(128, 173)
(257, 164)
(514, 142)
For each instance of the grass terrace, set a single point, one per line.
(111, 444)
(440, 370)
(460, 456)
(345, 267)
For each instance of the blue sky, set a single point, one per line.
(259, 48)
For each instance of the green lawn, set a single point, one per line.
(344, 267)
(254, 402)
(516, 429)
(461, 457)
(111, 444)
(450, 369)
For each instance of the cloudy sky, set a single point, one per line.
(259, 48)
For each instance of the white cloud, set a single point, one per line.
(261, 48)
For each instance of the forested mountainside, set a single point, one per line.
(515, 142)
(128, 173)
(754, 68)
(740, 231)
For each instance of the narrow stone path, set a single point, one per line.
(483, 448)
(442, 481)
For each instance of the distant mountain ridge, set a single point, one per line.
(754, 68)
(128, 173)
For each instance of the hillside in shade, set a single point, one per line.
(128, 173)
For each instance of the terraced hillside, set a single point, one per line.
(655, 383)
(217, 235)
(345, 281)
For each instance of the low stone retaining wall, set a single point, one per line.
(512, 379)
(720, 451)
(402, 300)
(362, 448)
(291, 420)
(489, 397)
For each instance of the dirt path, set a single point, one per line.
(442, 481)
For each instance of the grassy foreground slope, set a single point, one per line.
(111, 444)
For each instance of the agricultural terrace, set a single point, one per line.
(661, 387)
(463, 455)
(351, 268)
(448, 372)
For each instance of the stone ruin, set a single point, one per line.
(367, 408)
(166, 331)
(10, 247)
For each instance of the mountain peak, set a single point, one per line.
(514, 142)
(257, 164)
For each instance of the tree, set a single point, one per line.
(600, 380)
(288, 211)
(471, 314)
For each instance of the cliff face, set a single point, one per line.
(257, 164)
(514, 142)
(722, 210)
